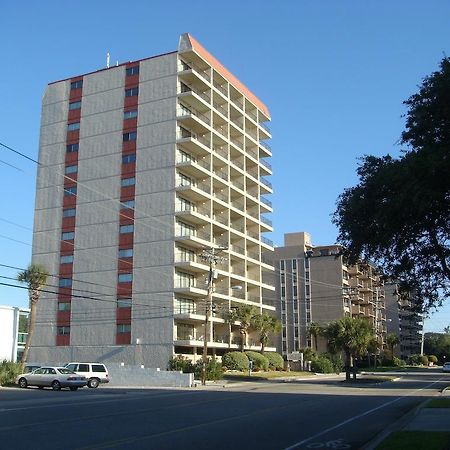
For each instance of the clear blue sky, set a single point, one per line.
(333, 74)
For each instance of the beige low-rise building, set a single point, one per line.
(313, 284)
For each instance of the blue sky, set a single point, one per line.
(333, 74)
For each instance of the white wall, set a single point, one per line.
(8, 333)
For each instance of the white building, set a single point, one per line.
(141, 166)
(12, 340)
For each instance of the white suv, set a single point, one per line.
(95, 373)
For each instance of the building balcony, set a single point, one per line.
(193, 74)
(197, 168)
(265, 149)
(196, 121)
(196, 239)
(194, 97)
(195, 143)
(193, 291)
(194, 214)
(195, 191)
(193, 264)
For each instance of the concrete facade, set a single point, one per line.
(313, 284)
(404, 321)
(191, 139)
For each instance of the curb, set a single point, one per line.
(396, 426)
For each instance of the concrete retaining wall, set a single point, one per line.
(149, 377)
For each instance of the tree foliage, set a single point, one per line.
(35, 276)
(349, 335)
(266, 325)
(245, 315)
(398, 215)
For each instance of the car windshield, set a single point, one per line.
(65, 371)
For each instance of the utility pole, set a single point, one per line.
(211, 256)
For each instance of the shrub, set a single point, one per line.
(397, 362)
(414, 360)
(181, 363)
(235, 361)
(8, 372)
(276, 361)
(433, 359)
(386, 358)
(308, 353)
(322, 364)
(424, 360)
(260, 362)
(213, 369)
(336, 360)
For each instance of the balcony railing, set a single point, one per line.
(190, 134)
(182, 66)
(264, 126)
(265, 164)
(184, 158)
(266, 202)
(187, 88)
(22, 338)
(266, 241)
(265, 145)
(266, 182)
(185, 111)
(266, 221)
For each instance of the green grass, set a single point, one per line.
(416, 440)
(438, 403)
(243, 376)
(391, 369)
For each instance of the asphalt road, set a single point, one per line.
(270, 415)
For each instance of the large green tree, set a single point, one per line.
(398, 215)
(35, 276)
(245, 315)
(349, 335)
(266, 325)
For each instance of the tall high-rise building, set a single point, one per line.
(141, 167)
(313, 284)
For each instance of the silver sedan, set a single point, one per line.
(54, 377)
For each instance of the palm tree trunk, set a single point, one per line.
(31, 324)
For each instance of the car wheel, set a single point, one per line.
(23, 383)
(93, 383)
(73, 388)
(56, 385)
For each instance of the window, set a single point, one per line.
(131, 92)
(282, 264)
(63, 330)
(72, 148)
(124, 328)
(127, 204)
(64, 306)
(183, 279)
(184, 205)
(73, 126)
(126, 159)
(76, 84)
(98, 368)
(126, 229)
(124, 302)
(184, 180)
(184, 229)
(65, 282)
(67, 236)
(71, 169)
(184, 254)
(132, 70)
(125, 277)
(70, 190)
(294, 291)
(294, 264)
(130, 114)
(83, 368)
(307, 290)
(307, 263)
(126, 253)
(74, 105)
(184, 306)
(185, 332)
(283, 291)
(131, 136)
(125, 182)
(66, 259)
(69, 212)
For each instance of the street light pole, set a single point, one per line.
(211, 256)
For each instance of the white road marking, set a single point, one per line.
(352, 419)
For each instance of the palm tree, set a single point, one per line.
(230, 317)
(35, 276)
(314, 329)
(350, 335)
(266, 324)
(392, 340)
(245, 315)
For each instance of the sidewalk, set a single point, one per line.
(419, 419)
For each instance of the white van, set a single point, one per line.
(95, 373)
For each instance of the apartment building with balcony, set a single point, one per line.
(142, 166)
(404, 320)
(313, 284)
(13, 332)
